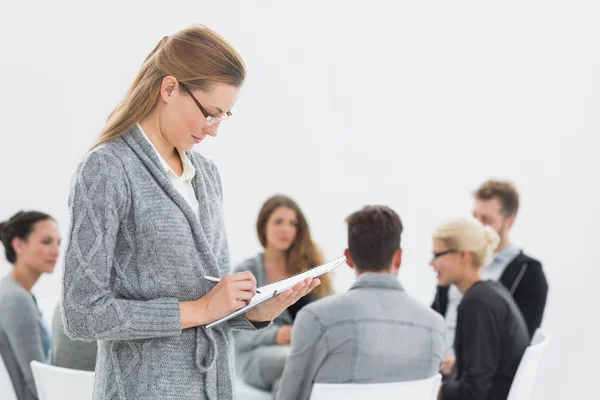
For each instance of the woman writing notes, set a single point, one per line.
(147, 226)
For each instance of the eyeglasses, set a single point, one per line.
(443, 253)
(210, 119)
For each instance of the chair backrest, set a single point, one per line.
(522, 385)
(246, 392)
(424, 389)
(56, 383)
(7, 391)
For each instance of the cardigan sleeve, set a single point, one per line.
(98, 203)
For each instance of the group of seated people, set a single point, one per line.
(489, 302)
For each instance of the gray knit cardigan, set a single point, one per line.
(136, 249)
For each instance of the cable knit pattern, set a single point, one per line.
(136, 249)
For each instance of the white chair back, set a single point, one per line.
(56, 383)
(522, 385)
(424, 389)
(7, 391)
(246, 392)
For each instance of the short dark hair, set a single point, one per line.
(19, 225)
(504, 191)
(373, 237)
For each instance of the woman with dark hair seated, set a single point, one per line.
(31, 242)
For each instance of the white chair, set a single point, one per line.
(522, 385)
(56, 383)
(424, 389)
(246, 392)
(7, 391)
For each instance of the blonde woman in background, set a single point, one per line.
(491, 335)
(288, 249)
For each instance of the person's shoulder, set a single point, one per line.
(533, 262)
(478, 289)
(10, 287)
(490, 295)
(481, 292)
(107, 156)
(423, 315)
(330, 309)
(14, 298)
(251, 264)
(526, 270)
(102, 164)
(526, 258)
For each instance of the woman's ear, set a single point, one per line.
(18, 244)
(168, 87)
(464, 257)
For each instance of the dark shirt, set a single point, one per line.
(491, 337)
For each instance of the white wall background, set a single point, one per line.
(409, 104)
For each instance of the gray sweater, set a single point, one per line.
(136, 249)
(20, 336)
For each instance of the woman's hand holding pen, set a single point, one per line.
(230, 294)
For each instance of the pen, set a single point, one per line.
(217, 280)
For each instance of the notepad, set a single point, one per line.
(273, 289)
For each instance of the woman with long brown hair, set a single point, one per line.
(147, 226)
(288, 249)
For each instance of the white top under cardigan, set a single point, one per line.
(182, 183)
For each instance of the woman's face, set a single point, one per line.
(182, 122)
(281, 228)
(446, 263)
(41, 249)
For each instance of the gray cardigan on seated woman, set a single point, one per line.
(21, 336)
(259, 359)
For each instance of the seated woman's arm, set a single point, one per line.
(249, 340)
(25, 336)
